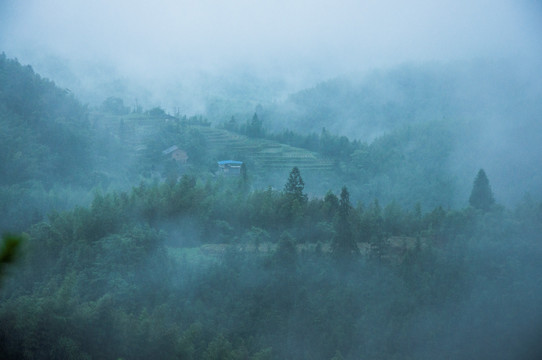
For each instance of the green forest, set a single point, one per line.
(321, 247)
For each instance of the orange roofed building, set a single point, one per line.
(180, 156)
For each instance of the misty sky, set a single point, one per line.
(157, 39)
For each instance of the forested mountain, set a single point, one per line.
(135, 245)
(364, 106)
(45, 145)
(45, 130)
(492, 108)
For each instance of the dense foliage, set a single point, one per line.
(45, 144)
(482, 113)
(192, 265)
(44, 129)
(127, 278)
(410, 164)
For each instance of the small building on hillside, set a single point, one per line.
(229, 167)
(180, 156)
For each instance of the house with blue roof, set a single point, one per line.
(229, 167)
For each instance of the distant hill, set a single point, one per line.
(363, 107)
(45, 147)
(493, 107)
(410, 135)
(44, 130)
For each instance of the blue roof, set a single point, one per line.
(230, 162)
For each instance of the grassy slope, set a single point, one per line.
(268, 162)
(263, 154)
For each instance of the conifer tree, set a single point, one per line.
(295, 185)
(254, 127)
(481, 196)
(344, 246)
(243, 179)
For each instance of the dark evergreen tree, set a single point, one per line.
(295, 185)
(481, 196)
(331, 205)
(254, 127)
(294, 201)
(373, 224)
(243, 179)
(344, 246)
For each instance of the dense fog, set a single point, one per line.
(173, 51)
(270, 180)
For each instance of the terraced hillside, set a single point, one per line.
(264, 154)
(268, 162)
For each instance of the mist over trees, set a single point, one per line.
(487, 107)
(349, 217)
(111, 280)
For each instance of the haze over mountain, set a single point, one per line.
(270, 180)
(159, 53)
(470, 62)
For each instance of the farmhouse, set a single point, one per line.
(230, 167)
(180, 156)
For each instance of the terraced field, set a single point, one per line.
(263, 153)
(259, 154)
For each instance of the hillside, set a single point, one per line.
(261, 153)
(426, 162)
(142, 138)
(167, 270)
(46, 153)
(270, 180)
(328, 248)
(492, 106)
(363, 106)
(45, 133)
(408, 166)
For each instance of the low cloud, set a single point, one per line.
(304, 41)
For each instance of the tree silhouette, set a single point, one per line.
(295, 185)
(481, 196)
(254, 127)
(344, 246)
(294, 201)
(243, 179)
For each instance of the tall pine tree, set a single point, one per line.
(295, 185)
(481, 196)
(295, 201)
(344, 246)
